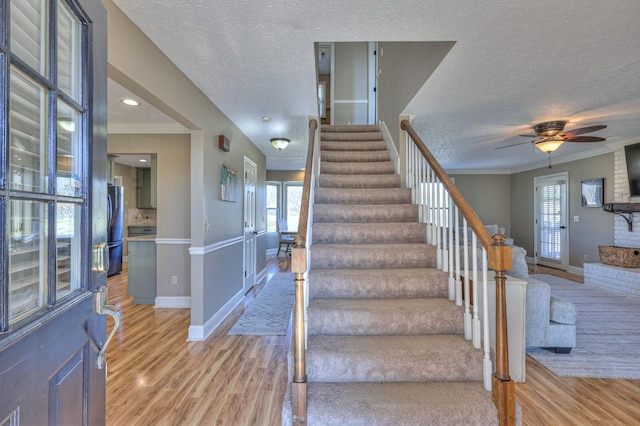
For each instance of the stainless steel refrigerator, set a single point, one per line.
(115, 230)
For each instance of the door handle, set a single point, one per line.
(103, 308)
(563, 227)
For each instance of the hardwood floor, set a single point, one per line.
(156, 377)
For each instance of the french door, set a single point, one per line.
(551, 233)
(52, 211)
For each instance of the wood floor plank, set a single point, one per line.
(156, 377)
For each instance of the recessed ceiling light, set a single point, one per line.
(266, 118)
(129, 101)
(142, 160)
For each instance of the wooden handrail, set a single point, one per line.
(306, 186)
(499, 256)
(299, 256)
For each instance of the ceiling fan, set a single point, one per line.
(549, 135)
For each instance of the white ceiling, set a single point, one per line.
(514, 64)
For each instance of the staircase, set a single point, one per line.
(385, 345)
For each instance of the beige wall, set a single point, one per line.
(404, 69)
(490, 197)
(285, 175)
(595, 226)
(138, 65)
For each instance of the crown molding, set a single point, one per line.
(168, 128)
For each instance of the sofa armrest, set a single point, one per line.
(538, 312)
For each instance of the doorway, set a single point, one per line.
(550, 222)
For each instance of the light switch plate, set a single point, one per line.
(576, 219)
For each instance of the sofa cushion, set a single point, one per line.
(563, 311)
(492, 229)
(519, 267)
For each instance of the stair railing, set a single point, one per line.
(300, 266)
(440, 206)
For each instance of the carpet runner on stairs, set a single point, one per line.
(385, 346)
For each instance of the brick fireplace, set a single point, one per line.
(625, 280)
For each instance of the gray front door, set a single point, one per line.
(52, 211)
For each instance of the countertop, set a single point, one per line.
(141, 238)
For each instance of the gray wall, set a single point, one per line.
(214, 273)
(595, 226)
(490, 197)
(404, 68)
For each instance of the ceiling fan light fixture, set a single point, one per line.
(549, 145)
(280, 143)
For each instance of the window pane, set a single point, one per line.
(272, 196)
(29, 32)
(28, 134)
(272, 219)
(69, 153)
(294, 197)
(27, 257)
(69, 255)
(69, 52)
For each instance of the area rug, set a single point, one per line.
(607, 333)
(269, 313)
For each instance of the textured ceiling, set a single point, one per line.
(514, 64)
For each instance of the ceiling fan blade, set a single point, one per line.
(509, 146)
(584, 130)
(584, 139)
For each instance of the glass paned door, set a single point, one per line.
(551, 219)
(52, 324)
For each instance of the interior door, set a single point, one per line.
(551, 233)
(52, 211)
(250, 233)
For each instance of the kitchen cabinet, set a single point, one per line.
(142, 270)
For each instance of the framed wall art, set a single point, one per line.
(592, 191)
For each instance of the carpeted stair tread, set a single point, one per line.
(358, 168)
(362, 196)
(351, 136)
(369, 233)
(410, 255)
(353, 146)
(350, 156)
(329, 128)
(359, 181)
(377, 283)
(337, 213)
(436, 357)
(384, 316)
(400, 404)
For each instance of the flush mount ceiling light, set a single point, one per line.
(129, 101)
(266, 118)
(280, 143)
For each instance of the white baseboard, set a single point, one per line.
(198, 333)
(173, 302)
(575, 270)
(261, 274)
(571, 269)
